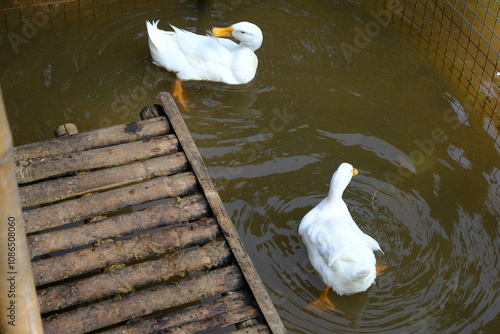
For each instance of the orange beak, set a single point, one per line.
(223, 32)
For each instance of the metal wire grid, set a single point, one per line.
(25, 8)
(14, 5)
(463, 38)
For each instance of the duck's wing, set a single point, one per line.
(329, 253)
(191, 56)
(227, 43)
(205, 53)
(321, 237)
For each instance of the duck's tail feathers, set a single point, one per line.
(152, 24)
(372, 243)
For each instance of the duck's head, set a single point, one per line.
(247, 33)
(347, 170)
(341, 179)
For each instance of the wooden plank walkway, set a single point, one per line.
(129, 235)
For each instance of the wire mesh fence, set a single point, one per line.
(12, 9)
(24, 8)
(461, 37)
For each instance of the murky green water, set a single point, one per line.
(428, 188)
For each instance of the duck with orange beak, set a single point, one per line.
(207, 58)
(339, 251)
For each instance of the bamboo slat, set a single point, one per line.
(113, 135)
(230, 317)
(66, 187)
(244, 261)
(39, 169)
(183, 209)
(259, 329)
(127, 279)
(101, 203)
(137, 248)
(198, 313)
(145, 302)
(128, 234)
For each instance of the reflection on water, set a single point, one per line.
(429, 175)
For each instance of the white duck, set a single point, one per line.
(197, 57)
(339, 251)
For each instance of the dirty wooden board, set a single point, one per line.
(128, 235)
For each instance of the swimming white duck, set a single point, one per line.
(197, 57)
(339, 251)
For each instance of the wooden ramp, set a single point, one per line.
(128, 235)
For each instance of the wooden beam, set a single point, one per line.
(118, 134)
(220, 213)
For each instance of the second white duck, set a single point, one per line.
(338, 250)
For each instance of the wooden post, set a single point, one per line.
(225, 223)
(19, 310)
(65, 130)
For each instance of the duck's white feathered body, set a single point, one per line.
(197, 57)
(339, 251)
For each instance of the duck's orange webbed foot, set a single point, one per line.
(379, 268)
(323, 303)
(179, 94)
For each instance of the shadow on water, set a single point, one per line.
(428, 183)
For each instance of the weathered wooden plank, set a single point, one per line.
(259, 329)
(39, 169)
(229, 318)
(221, 215)
(182, 209)
(101, 203)
(146, 245)
(165, 323)
(145, 302)
(66, 187)
(126, 279)
(113, 135)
